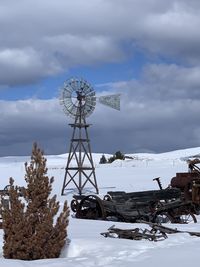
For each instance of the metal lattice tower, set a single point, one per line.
(79, 100)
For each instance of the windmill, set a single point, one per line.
(78, 100)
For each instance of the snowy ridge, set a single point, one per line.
(177, 154)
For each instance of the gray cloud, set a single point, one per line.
(158, 113)
(42, 38)
(24, 122)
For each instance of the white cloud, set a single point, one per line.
(160, 111)
(71, 49)
(47, 37)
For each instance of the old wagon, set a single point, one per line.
(179, 203)
(154, 206)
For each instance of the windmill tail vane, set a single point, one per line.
(112, 101)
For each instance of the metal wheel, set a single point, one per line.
(91, 207)
(163, 217)
(187, 218)
(167, 217)
(107, 197)
(74, 205)
(77, 98)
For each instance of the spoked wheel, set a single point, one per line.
(163, 217)
(107, 197)
(90, 207)
(74, 205)
(167, 217)
(187, 218)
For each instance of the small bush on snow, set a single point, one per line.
(28, 223)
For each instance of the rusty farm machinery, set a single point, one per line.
(178, 203)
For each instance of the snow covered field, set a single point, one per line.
(87, 246)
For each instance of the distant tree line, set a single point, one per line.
(117, 155)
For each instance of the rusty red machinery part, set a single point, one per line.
(182, 179)
(188, 182)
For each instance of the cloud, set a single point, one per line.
(20, 66)
(92, 49)
(26, 121)
(159, 112)
(42, 38)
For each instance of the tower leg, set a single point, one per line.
(80, 169)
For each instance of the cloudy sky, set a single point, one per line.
(147, 50)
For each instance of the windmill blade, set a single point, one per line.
(112, 101)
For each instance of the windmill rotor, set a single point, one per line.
(77, 96)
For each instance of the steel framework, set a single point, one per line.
(80, 168)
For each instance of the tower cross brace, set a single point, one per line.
(80, 169)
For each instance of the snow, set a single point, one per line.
(87, 247)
